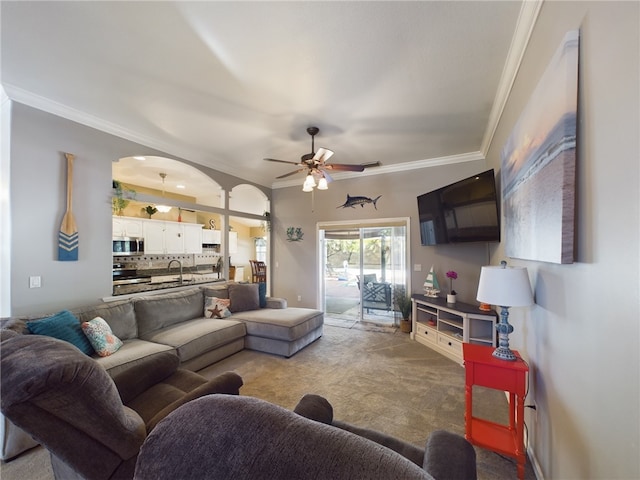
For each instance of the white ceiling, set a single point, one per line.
(225, 84)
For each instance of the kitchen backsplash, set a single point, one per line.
(203, 262)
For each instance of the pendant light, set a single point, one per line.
(163, 208)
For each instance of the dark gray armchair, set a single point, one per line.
(71, 405)
(445, 456)
(248, 438)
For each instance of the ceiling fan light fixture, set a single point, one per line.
(310, 181)
(322, 184)
(315, 165)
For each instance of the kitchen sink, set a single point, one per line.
(186, 278)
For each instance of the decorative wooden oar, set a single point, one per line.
(68, 235)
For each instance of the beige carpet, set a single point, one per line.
(377, 379)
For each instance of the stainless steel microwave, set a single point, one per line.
(128, 246)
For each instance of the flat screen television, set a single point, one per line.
(465, 211)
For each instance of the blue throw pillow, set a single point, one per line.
(262, 294)
(63, 326)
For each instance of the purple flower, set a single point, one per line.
(451, 275)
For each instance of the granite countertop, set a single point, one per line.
(165, 282)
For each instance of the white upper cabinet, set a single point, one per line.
(173, 237)
(163, 237)
(192, 238)
(127, 227)
(154, 237)
(212, 237)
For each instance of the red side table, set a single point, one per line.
(485, 370)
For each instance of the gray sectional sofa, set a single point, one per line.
(175, 322)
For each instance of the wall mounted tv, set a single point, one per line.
(465, 211)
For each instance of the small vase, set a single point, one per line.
(451, 298)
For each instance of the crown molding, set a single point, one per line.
(4, 98)
(39, 102)
(386, 169)
(521, 36)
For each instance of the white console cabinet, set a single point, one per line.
(445, 327)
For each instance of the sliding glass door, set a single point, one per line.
(362, 267)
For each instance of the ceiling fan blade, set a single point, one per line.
(281, 161)
(326, 175)
(371, 164)
(292, 173)
(322, 155)
(345, 168)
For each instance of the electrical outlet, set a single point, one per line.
(299, 298)
(35, 282)
(417, 267)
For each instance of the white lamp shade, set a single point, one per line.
(322, 184)
(310, 181)
(504, 286)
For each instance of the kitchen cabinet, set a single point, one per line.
(173, 237)
(211, 237)
(154, 238)
(127, 227)
(233, 242)
(162, 237)
(239, 274)
(192, 238)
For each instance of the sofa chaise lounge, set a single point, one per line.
(151, 325)
(91, 424)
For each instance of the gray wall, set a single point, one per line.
(38, 202)
(296, 273)
(581, 337)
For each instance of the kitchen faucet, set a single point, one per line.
(180, 264)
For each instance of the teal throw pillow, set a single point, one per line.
(63, 326)
(262, 294)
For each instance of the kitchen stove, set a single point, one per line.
(125, 275)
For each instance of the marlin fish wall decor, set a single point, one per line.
(353, 201)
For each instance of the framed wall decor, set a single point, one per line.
(294, 234)
(539, 165)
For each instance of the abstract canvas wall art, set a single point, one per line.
(539, 165)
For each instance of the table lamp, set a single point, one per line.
(506, 287)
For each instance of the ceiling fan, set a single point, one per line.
(316, 166)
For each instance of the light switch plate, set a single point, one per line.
(417, 267)
(35, 282)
